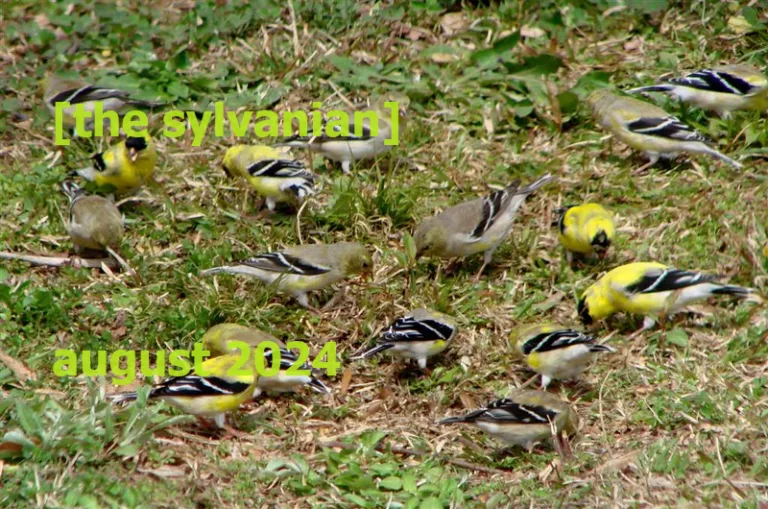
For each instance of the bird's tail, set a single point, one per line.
(597, 348)
(535, 185)
(373, 351)
(737, 291)
(721, 156)
(227, 269)
(302, 190)
(294, 141)
(454, 420)
(144, 104)
(121, 397)
(318, 386)
(652, 88)
(71, 189)
(88, 173)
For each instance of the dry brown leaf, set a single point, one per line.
(346, 379)
(22, 372)
(532, 32)
(164, 472)
(453, 23)
(633, 44)
(443, 58)
(467, 401)
(616, 464)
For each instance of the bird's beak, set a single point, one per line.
(402, 112)
(133, 154)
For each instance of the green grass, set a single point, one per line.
(678, 417)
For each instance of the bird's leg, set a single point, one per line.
(271, 203)
(648, 324)
(486, 260)
(652, 159)
(545, 381)
(345, 166)
(246, 193)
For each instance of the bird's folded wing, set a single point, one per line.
(194, 385)
(714, 81)
(505, 410)
(278, 168)
(88, 93)
(411, 329)
(665, 127)
(365, 134)
(493, 205)
(548, 341)
(285, 264)
(665, 280)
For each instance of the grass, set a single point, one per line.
(678, 417)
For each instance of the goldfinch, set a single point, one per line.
(418, 335)
(648, 128)
(125, 167)
(721, 89)
(217, 390)
(301, 269)
(75, 92)
(271, 173)
(222, 339)
(586, 229)
(476, 226)
(286, 380)
(94, 222)
(351, 148)
(522, 419)
(650, 288)
(556, 353)
(218, 339)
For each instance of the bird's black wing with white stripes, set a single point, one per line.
(714, 81)
(666, 127)
(664, 280)
(195, 385)
(279, 168)
(493, 206)
(507, 411)
(411, 329)
(88, 93)
(547, 341)
(285, 264)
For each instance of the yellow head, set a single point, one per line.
(600, 99)
(595, 304)
(402, 100)
(229, 159)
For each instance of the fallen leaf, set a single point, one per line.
(346, 379)
(532, 32)
(22, 372)
(164, 472)
(443, 58)
(467, 401)
(453, 23)
(740, 25)
(633, 44)
(616, 464)
(42, 21)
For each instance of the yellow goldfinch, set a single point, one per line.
(650, 288)
(94, 222)
(721, 89)
(347, 149)
(419, 335)
(222, 339)
(75, 91)
(556, 353)
(476, 226)
(126, 166)
(522, 419)
(648, 128)
(217, 340)
(219, 391)
(272, 174)
(301, 269)
(586, 229)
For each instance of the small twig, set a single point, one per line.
(127, 268)
(382, 447)
(298, 221)
(59, 261)
(296, 47)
